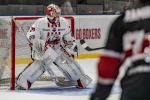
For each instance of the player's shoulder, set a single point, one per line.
(41, 20)
(64, 20)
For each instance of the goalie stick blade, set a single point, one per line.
(86, 47)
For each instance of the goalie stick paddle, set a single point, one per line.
(86, 47)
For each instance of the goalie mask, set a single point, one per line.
(53, 12)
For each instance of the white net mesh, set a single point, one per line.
(5, 51)
(22, 47)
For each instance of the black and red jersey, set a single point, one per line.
(124, 56)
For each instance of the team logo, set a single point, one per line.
(54, 30)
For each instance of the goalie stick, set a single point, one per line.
(86, 46)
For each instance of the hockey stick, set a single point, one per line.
(86, 46)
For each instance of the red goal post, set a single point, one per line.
(16, 31)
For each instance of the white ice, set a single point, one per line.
(57, 93)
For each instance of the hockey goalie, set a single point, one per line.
(51, 43)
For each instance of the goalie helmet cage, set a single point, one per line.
(14, 40)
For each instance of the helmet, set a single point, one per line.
(53, 11)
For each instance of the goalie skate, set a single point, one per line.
(84, 81)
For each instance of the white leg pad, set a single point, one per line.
(73, 72)
(23, 82)
(30, 74)
(70, 71)
(69, 67)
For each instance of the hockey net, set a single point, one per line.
(15, 52)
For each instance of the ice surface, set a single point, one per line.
(52, 92)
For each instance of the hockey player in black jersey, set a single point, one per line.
(125, 56)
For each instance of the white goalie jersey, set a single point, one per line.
(44, 30)
(52, 34)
